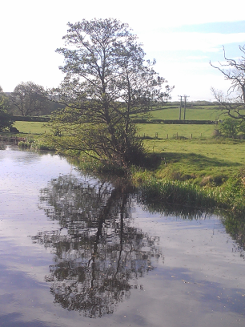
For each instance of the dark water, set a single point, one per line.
(77, 251)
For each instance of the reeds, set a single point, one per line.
(166, 193)
(178, 193)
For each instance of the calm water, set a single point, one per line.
(76, 251)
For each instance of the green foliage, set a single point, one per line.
(164, 193)
(107, 80)
(230, 127)
(176, 193)
(233, 194)
(24, 145)
(30, 99)
(6, 120)
(32, 118)
(235, 225)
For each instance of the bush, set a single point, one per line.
(230, 127)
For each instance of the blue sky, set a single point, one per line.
(183, 36)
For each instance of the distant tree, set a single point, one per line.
(29, 99)
(6, 120)
(107, 80)
(234, 71)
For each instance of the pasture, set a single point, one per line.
(26, 127)
(165, 131)
(195, 113)
(189, 149)
(199, 158)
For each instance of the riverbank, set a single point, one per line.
(185, 180)
(201, 172)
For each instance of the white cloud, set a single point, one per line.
(205, 42)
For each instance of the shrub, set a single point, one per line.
(230, 127)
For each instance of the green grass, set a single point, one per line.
(199, 158)
(195, 113)
(165, 131)
(193, 170)
(30, 127)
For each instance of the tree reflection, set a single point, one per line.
(2, 146)
(99, 255)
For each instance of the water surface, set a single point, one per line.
(77, 251)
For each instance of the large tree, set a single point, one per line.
(29, 99)
(233, 70)
(107, 81)
(6, 120)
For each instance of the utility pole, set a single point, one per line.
(185, 96)
(180, 106)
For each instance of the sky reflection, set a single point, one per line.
(198, 275)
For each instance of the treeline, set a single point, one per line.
(31, 118)
(172, 121)
(30, 99)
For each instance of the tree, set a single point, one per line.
(29, 98)
(234, 71)
(107, 81)
(6, 120)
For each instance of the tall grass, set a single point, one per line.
(159, 194)
(177, 193)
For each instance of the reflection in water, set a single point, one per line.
(235, 226)
(99, 255)
(2, 146)
(234, 222)
(170, 209)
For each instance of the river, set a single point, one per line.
(78, 251)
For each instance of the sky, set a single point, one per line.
(183, 37)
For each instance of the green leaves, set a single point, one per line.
(107, 80)
(6, 120)
(232, 127)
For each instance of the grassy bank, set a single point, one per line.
(203, 172)
(195, 171)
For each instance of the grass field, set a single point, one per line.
(31, 127)
(187, 165)
(209, 113)
(199, 158)
(164, 131)
(196, 152)
(195, 113)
